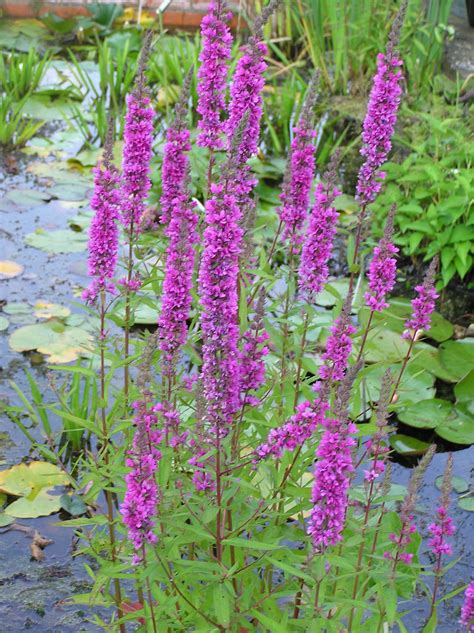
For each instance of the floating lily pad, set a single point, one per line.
(406, 445)
(458, 356)
(22, 480)
(464, 390)
(38, 504)
(383, 345)
(17, 307)
(459, 429)
(332, 293)
(27, 197)
(59, 342)
(458, 484)
(81, 221)
(9, 269)
(428, 358)
(73, 505)
(467, 503)
(61, 241)
(427, 414)
(143, 314)
(69, 191)
(45, 310)
(3, 323)
(5, 519)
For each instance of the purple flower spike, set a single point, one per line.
(103, 232)
(467, 612)
(142, 495)
(138, 135)
(318, 242)
(443, 525)
(339, 345)
(381, 118)
(423, 304)
(175, 158)
(383, 269)
(212, 75)
(300, 171)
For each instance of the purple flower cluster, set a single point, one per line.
(212, 75)
(317, 246)
(175, 168)
(178, 281)
(423, 304)
(402, 540)
(141, 497)
(138, 134)
(332, 473)
(338, 346)
(379, 125)
(103, 232)
(467, 612)
(299, 173)
(440, 529)
(299, 428)
(218, 280)
(382, 270)
(252, 364)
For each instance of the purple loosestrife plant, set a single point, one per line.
(137, 149)
(332, 471)
(382, 269)
(423, 304)
(175, 167)
(212, 74)
(339, 345)
(299, 172)
(380, 120)
(252, 355)
(103, 232)
(467, 611)
(443, 525)
(318, 241)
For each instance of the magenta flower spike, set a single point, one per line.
(137, 152)
(175, 166)
(424, 303)
(103, 232)
(339, 345)
(212, 75)
(319, 238)
(380, 120)
(142, 495)
(300, 171)
(467, 612)
(443, 526)
(382, 269)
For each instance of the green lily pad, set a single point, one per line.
(73, 505)
(62, 344)
(38, 505)
(27, 197)
(428, 358)
(17, 308)
(383, 345)
(460, 429)
(49, 108)
(458, 484)
(3, 323)
(467, 503)
(69, 191)
(332, 293)
(62, 241)
(5, 519)
(406, 445)
(458, 356)
(143, 314)
(23, 480)
(45, 310)
(464, 390)
(427, 414)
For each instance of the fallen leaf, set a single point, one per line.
(9, 269)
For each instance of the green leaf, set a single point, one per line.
(458, 356)
(406, 445)
(62, 241)
(60, 343)
(430, 626)
(464, 390)
(427, 414)
(460, 429)
(385, 346)
(222, 605)
(467, 503)
(73, 505)
(458, 484)
(3, 323)
(5, 519)
(250, 544)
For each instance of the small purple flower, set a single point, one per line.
(443, 527)
(103, 232)
(423, 304)
(141, 497)
(339, 345)
(318, 241)
(467, 612)
(212, 75)
(382, 269)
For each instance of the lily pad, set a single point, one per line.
(27, 197)
(458, 484)
(458, 356)
(35, 505)
(467, 503)
(17, 307)
(62, 344)
(3, 323)
(428, 358)
(459, 429)
(73, 505)
(406, 445)
(464, 390)
(45, 310)
(69, 191)
(23, 480)
(9, 269)
(5, 519)
(427, 414)
(62, 241)
(383, 345)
